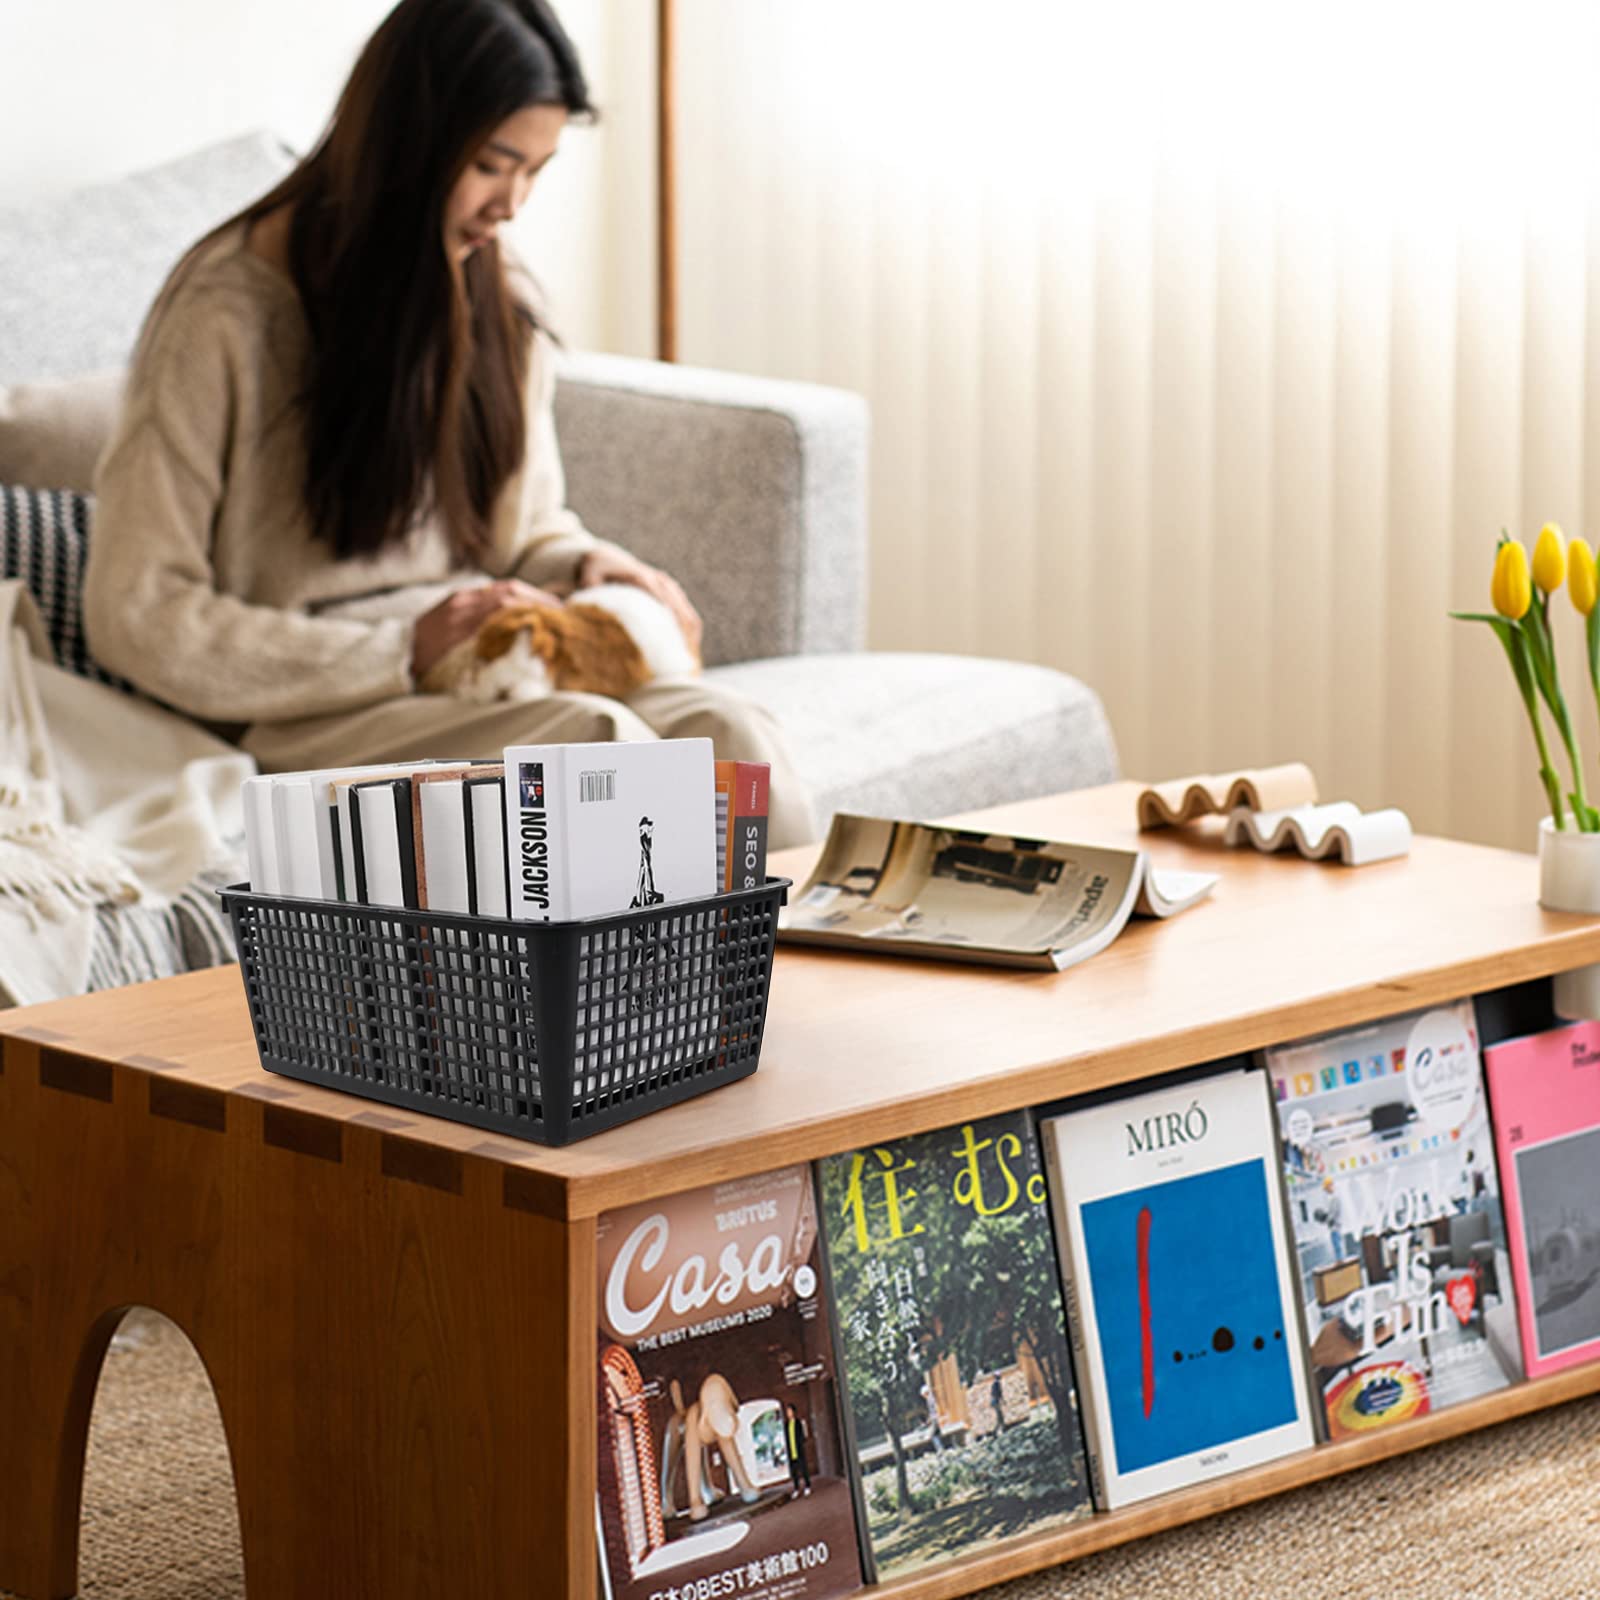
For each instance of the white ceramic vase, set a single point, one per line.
(1569, 880)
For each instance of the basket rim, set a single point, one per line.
(243, 895)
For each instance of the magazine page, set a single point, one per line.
(924, 889)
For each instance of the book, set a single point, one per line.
(1180, 800)
(484, 830)
(721, 1460)
(439, 832)
(742, 790)
(1169, 1222)
(1545, 1090)
(297, 830)
(383, 844)
(1391, 1181)
(260, 843)
(959, 1401)
(919, 889)
(598, 828)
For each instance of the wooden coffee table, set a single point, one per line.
(398, 1313)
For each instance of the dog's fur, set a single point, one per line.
(607, 640)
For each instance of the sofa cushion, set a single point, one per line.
(78, 271)
(44, 538)
(925, 736)
(52, 433)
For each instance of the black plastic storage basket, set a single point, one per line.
(547, 1031)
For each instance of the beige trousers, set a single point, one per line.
(422, 727)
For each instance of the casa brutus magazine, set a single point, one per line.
(721, 1462)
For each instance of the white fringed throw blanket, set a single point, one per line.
(111, 808)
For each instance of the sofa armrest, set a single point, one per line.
(750, 491)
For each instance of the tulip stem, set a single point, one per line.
(1547, 773)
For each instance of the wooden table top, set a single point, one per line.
(860, 1046)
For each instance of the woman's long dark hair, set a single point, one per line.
(414, 396)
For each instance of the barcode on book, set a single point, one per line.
(598, 785)
(722, 838)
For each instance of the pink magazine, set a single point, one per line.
(1546, 1094)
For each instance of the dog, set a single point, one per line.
(606, 640)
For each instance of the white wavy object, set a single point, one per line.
(1339, 828)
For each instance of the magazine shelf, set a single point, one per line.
(490, 1353)
(1105, 1530)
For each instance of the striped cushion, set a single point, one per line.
(44, 538)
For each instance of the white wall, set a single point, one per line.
(91, 89)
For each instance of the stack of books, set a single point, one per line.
(547, 833)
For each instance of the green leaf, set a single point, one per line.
(1535, 628)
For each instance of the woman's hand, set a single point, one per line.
(617, 566)
(458, 616)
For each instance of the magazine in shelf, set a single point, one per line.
(1546, 1095)
(1390, 1175)
(1169, 1219)
(597, 828)
(916, 888)
(722, 1468)
(959, 1397)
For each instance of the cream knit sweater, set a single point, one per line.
(203, 578)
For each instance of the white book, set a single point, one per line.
(1182, 1309)
(385, 847)
(485, 819)
(297, 830)
(593, 829)
(441, 826)
(303, 837)
(260, 843)
(335, 815)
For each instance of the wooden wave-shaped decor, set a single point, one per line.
(1181, 800)
(1340, 829)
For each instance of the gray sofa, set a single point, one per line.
(751, 491)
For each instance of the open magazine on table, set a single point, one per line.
(919, 889)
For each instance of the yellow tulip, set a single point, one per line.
(1550, 558)
(1509, 588)
(1583, 582)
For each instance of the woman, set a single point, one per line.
(342, 394)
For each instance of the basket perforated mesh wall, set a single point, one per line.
(546, 1031)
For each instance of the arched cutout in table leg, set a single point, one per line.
(169, 1357)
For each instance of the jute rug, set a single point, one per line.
(1511, 1512)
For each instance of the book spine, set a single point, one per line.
(419, 847)
(743, 789)
(536, 833)
(406, 839)
(1083, 1375)
(342, 888)
(261, 855)
(357, 847)
(841, 1368)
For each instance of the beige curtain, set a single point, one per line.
(1208, 347)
